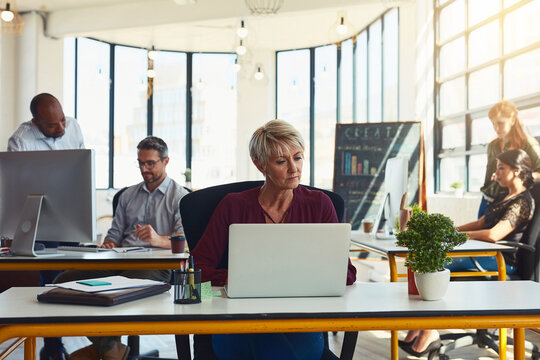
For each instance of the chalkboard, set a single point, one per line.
(360, 158)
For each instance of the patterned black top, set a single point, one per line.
(518, 210)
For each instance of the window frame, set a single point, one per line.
(467, 116)
(355, 115)
(150, 113)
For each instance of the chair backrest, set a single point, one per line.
(527, 263)
(197, 207)
(116, 198)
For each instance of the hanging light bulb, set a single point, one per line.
(342, 28)
(7, 15)
(241, 49)
(242, 31)
(151, 73)
(259, 75)
(152, 53)
(236, 66)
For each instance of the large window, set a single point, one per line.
(353, 81)
(117, 106)
(493, 56)
(214, 119)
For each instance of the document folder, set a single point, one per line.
(106, 298)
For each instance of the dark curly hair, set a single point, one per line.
(518, 159)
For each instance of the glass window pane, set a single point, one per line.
(68, 97)
(346, 91)
(361, 78)
(477, 171)
(452, 96)
(453, 136)
(325, 114)
(452, 20)
(390, 66)
(130, 102)
(93, 103)
(521, 75)
(530, 118)
(214, 137)
(169, 105)
(484, 44)
(293, 96)
(481, 9)
(452, 57)
(482, 131)
(479, 93)
(521, 27)
(452, 170)
(374, 73)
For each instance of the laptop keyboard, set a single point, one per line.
(82, 248)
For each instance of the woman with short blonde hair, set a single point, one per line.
(272, 138)
(277, 150)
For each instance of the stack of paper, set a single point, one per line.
(108, 283)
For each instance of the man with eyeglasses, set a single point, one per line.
(49, 129)
(147, 215)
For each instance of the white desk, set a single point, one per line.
(365, 306)
(389, 249)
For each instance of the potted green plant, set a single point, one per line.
(429, 237)
(458, 188)
(187, 175)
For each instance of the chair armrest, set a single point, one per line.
(518, 245)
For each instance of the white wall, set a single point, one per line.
(31, 64)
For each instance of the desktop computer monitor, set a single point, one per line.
(47, 196)
(395, 185)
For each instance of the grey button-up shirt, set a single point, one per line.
(160, 208)
(28, 137)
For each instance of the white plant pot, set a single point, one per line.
(432, 286)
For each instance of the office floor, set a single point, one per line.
(371, 345)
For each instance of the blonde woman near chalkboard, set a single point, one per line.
(510, 135)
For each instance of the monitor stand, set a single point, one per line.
(25, 235)
(384, 207)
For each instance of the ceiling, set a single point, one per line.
(204, 25)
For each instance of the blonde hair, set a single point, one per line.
(272, 138)
(508, 109)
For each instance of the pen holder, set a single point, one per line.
(187, 286)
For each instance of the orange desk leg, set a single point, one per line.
(501, 265)
(502, 344)
(393, 333)
(30, 348)
(519, 344)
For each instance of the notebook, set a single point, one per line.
(287, 260)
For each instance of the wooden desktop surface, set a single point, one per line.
(365, 306)
(159, 259)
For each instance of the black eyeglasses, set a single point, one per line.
(148, 164)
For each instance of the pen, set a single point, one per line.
(191, 277)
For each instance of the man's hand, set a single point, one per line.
(147, 234)
(108, 244)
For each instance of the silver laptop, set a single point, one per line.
(287, 260)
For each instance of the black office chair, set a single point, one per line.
(196, 210)
(527, 268)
